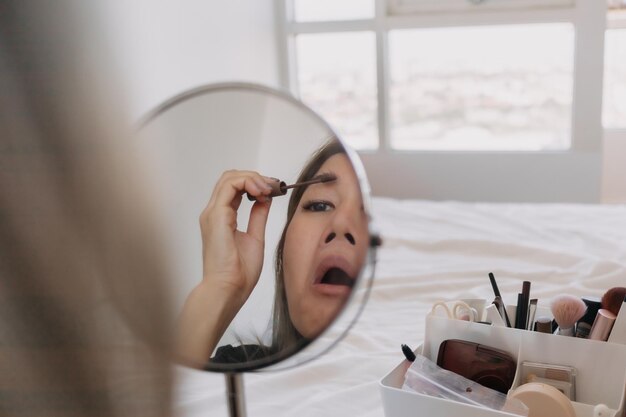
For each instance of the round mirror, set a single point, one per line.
(268, 219)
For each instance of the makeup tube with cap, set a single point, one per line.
(278, 188)
(532, 311)
(583, 326)
(602, 325)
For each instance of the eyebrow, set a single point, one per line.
(331, 180)
(327, 177)
(321, 178)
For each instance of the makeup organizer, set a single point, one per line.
(601, 367)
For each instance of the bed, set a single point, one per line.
(431, 251)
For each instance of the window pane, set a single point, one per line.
(314, 10)
(482, 88)
(614, 108)
(337, 78)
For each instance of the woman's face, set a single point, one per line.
(325, 248)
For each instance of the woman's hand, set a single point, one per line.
(232, 263)
(233, 259)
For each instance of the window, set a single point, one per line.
(461, 75)
(341, 86)
(502, 88)
(316, 10)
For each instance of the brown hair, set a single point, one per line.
(284, 333)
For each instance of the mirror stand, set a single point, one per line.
(235, 394)
(267, 131)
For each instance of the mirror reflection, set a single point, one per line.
(282, 236)
(318, 257)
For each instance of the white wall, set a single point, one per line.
(165, 47)
(493, 177)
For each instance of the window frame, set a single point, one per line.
(588, 18)
(616, 21)
(417, 6)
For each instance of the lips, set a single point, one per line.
(335, 274)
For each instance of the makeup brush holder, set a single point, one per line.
(600, 379)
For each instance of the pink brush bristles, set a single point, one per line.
(567, 310)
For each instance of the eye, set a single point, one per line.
(318, 205)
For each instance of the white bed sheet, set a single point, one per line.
(431, 251)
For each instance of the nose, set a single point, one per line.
(345, 223)
(348, 236)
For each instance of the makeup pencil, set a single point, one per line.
(519, 311)
(280, 187)
(408, 353)
(496, 291)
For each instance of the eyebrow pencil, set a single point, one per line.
(280, 187)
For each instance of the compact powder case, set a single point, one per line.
(543, 400)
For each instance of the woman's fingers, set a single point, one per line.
(258, 219)
(231, 257)
(221, 210)
(233, 184)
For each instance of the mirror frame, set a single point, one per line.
(344, 318)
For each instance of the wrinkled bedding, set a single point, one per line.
(432, 251)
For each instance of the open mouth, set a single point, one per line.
(337, 276)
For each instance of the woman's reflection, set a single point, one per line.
(321, 252)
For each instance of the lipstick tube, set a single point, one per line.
(602, 325)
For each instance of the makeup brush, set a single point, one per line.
(567, 310)
(280, 187)
(613, 299)
(326, 177)
(583, 326)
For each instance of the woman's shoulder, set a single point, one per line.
(240, 353)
